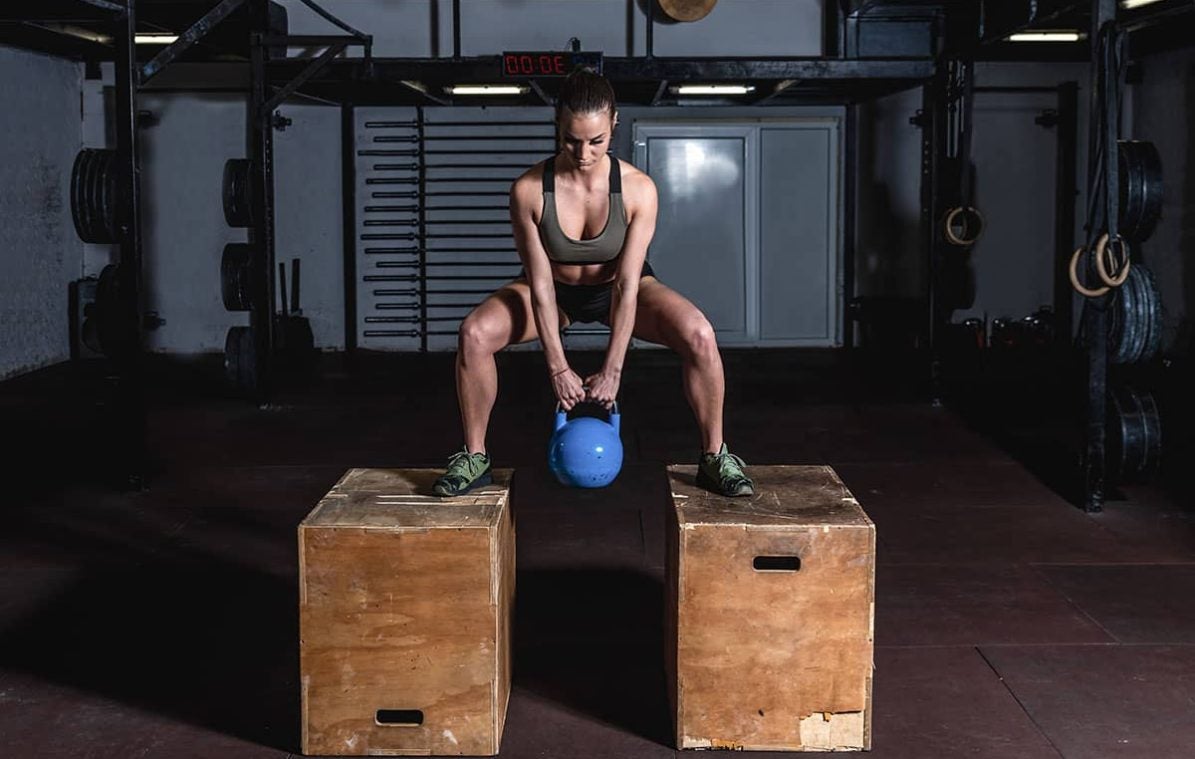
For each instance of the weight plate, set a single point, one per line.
(1144, 312)
(1121, 433)
(88, 202)
(240, 269)
(93, 195)
(109, 195)
(1124, 326)
(1135, 314)
(237, 192)
(1134, 434)
(1151, 312)
(95, 214)
(1152, 429)
(77, 195)
(1141, 189)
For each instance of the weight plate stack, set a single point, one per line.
(1140, 189)
(1134, 434)
(94, 196)
(1123, 325)
(238, 192)
(110, 195)
(1151, 311)
(240, 359)
(1135, 327)
(241, 270)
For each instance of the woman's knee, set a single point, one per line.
(700, 342)
(479, 335)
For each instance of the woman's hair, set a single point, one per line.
(586, 92)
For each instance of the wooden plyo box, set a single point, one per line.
(404, 617)
(770, 613)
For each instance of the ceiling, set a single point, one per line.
(878, 46)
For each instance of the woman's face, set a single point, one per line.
(585, 137)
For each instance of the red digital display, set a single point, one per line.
(534, 64)
(545, 64)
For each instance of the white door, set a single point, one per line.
(706, 231)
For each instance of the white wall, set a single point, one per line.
(183, 227)
(889, 258)
(1015, 179)
(39, 251)
(184, 231)
(309, 216)
(1015, 164)
(423, 28)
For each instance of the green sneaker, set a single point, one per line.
(722, 473)
(465, 472)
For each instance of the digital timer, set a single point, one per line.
(523, 64)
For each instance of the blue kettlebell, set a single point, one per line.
(585, 452)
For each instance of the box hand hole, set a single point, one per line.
(399, 717)
(777, 563)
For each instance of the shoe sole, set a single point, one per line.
(706, 482)
(483, 480)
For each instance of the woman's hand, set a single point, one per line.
(603, 387)
(568, 388)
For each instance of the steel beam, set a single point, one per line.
(309, 71)
(187, 39)
(61, 10)
(260, 137)
(39, 39)
(489, 68)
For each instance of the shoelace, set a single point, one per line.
(457, 457)
(722, 462)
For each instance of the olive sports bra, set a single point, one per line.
(563, 249)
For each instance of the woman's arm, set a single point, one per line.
(524, 197)
(641, 210)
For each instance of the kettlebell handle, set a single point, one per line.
(562, 416)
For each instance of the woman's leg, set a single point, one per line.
(505, 318)
(666, 317)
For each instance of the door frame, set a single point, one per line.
(752, 129)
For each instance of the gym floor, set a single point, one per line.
(164, 623)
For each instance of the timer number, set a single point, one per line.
(531, 65)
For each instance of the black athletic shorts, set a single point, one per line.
(590, 303)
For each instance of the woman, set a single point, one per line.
(582, 224)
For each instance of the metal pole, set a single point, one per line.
(965, 114)
(129, 379)
(456, 29)
(651, 28)
(261, 151)
(850, 168)
(348, 174)
(934, 95)
(831, 30)
(1064, 206)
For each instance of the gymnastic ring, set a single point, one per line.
(1102, 248)
(952, 216)
(1074, 274)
